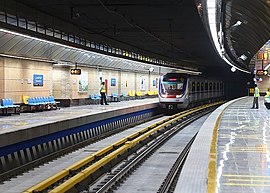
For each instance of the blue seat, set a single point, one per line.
(41, 103)
(97, 96)
(5, 103)
(8, 103)
(53, 102)
(31, 101)
(93, 99)
(46, 100)
(124, 96)
(4, 109)
(115, 97)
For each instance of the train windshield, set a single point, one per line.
(172, 86)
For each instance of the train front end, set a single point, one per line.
(173, 91)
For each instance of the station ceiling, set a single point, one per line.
(171, 30)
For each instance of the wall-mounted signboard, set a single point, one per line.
(75, 71)
(38, 80)
(113, 81)
(262, 72)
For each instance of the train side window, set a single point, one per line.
(193, 86)
(210, 86)
(206, 86)
(218, 86)
(214, 86)
(198, 86)
(201, 86)
(221, 86)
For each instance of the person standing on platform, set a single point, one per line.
(103, 94)
(256, 97)
(267, 93)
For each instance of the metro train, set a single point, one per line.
(179, 91)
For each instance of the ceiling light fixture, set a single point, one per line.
(212, 22)
(237, 23)
(233, 69)
(243, 57)
(97, 55)
(267, 66)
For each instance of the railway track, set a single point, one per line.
(77, 177)
(115, 181)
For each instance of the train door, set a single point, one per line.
(214, 89)
(210, 90)
(202, 91)
(198, 97)
(205, 95)
(193, 93)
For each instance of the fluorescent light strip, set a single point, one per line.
(267, 66)
(78, 49)
(212, 21)
(26, 58)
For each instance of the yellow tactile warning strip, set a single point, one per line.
(129, 142)
(212, 159)
(259, 149)
(246, 180)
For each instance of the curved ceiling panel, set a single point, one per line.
(21, 46)
(170, 30)
(246, 25)
(164, 30)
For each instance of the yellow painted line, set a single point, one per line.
(256, 185)
(67, 185)
(103, 151)
(80, 163)
(246, 147)
(233, 150)
(263, 152)
(242, 136)
(119, 142)
(212, 170)
(244, 176)
(127, 144)
(234, 129)
(248, 180)
(255, 138)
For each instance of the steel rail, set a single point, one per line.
(134, 163)
(88, 166)
(56, 154)
(170, 179)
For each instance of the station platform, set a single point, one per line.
(230, 153)
(25, 127)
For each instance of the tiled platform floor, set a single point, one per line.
(26, 120)
(243, 157)
(242, 151)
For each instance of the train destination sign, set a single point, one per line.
(262, 72)
(75, 71)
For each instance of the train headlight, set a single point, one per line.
(178, 96)
(163, 95)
